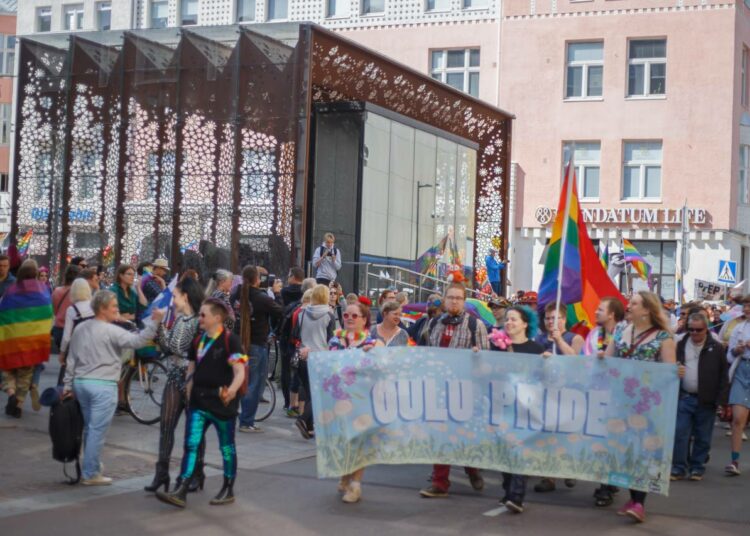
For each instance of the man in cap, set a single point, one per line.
(156, 282)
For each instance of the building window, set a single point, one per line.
(188, 12)
(104, 16)
(5, 116)
(662, 256)
(43, 19)
(4, 183)
(337, 8)
(7, 54)
(278, 9)
(438, 5)
(744, 174)
(43, 174)
(159, 13)
(245, 10)
(647, 67)
(585, 69)
(457, 68)
(586, 160)
(475, 4)
(85, 240)
(642, 171)
(73, 17)
(373, 6)
(743, 95)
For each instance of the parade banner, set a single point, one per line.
(706, 290)
(609, 421)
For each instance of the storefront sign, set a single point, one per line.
(705, 290)
(75, 215)
(609, 420)
(642, 216)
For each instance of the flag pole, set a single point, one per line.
(563, 242)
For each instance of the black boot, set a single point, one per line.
(196, 482)
(177, 498)
(226, 494)
(161, 478)
(11, 408)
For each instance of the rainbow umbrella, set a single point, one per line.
(480, 310)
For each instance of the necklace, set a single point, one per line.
(352, 338)
(603, 338)
(203, 347)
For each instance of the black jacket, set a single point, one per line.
(713, 377)
(291, 293)
(266, 310)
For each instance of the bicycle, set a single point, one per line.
(143, 381)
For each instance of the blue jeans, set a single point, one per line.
(696, 420)
(258, 372)
(98, 401)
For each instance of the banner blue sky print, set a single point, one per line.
(609, 421)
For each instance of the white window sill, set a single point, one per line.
(378, 14)
(643, 200)
(337, 17)
(645, 97)
(277, 20)
(583, 99)
(430, 11)
(588, 199)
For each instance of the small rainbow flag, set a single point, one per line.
(642, 268)
(604, 257)
(24, 242)
(25, 324)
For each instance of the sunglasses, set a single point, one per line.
(353, 316)
(696, 330)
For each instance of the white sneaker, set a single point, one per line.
(744, 435)
(98, 480)
(353, 493)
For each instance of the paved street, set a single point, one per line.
(278, 493)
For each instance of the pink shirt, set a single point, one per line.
(60, 304)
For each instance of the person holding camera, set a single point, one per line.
(327, 261)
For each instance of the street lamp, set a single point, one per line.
(419, 190)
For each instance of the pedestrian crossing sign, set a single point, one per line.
(727, 272)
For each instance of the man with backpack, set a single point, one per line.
(327, 261)
(455, 329)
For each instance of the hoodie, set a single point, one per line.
(316, 327)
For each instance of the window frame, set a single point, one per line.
(151, 18)
(743, 75)
(268, 11)
(647, 63)
(364, 13)
(643, 165)
(4, 183)
(464, 7)
(47, 12)
(238, 5)
(7, 52)
(99, 8)
(744, 176)
(182, 10)
(78, 10)
(6, 123)
(580, 168)
(585, 65)
(436, 9)
(467, 69)
(330, 15)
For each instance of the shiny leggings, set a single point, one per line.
(172, 406)
(198, 421)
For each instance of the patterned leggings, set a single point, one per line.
(172, 405)
(198, 421)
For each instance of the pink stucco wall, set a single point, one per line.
(411, 46)
(694, 120)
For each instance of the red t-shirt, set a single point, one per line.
(445, 338)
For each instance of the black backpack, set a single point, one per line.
(66, 432)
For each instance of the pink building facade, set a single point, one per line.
(651, 96)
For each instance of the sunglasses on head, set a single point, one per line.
(353, 316)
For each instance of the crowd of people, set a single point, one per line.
(215, 344)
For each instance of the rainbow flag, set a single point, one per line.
(427, 262)
(25, 325)
(585, 281)
(642, 268)
(24, 242)
(571, 258)
(604, 258)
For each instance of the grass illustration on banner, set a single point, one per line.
(636, 260)
(584, 279)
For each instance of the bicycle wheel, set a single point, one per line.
(266, 410)
(144, 389)
(273, 358)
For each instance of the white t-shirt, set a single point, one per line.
(692, 354)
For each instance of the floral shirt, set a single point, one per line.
(648, 351)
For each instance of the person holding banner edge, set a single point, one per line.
(646, 338)
(455, 329)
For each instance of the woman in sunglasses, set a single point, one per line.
(354, 335)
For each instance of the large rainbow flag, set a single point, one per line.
(25, 324)
(25, 242)
(641, 267)
(584, 280)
